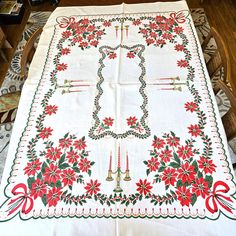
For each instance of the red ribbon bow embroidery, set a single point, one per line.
(65, 22)
(22, 199)
(218, 197)
(179, 16)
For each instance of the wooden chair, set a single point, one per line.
(28, 52)
(219, 59)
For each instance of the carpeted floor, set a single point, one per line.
(38, 19)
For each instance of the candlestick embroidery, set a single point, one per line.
(118, 172)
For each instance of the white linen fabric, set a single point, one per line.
(117, 131)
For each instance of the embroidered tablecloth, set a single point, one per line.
(118, 131)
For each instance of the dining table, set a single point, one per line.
(118, 130)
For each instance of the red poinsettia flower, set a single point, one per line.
(51, 174)
(144, 31)
(194, 130)
(53, 196)
(66, 34)
(136, 22)
(179, 47)
(144, 187)
(80, 144)
(94, 43)
(207, 165)
(164, 27)
(173, 141)
(91, 37)
(92, 187)
(178, 30)
(68, 176)
(186, 173)
(185, 152)
(191, 106)
(90, 28)
(167, 36)
(153, 35)
(62, 67)
(112, 55)
(51, 109)
(84, 165)
(169, 176)
(160, 42)
(149, 41)
(152, 26)
(170, 21)
(84, 21)
(83, 44)
(131, 121)
(182, 63)
(130, 55)
(77, 39)
(38, 188)
(72, 156)
(165, 155)
(201, 187)
(108, 121)
(80, 30)
(106, 23)
(53, 153)
(158, 143)
(99, 32)
(159, 19)
(184, 195)
(65, 51)
(65, 142)
(45, 133)
(32, 167)
(153, 164)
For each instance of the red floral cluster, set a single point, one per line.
(58, 167)
(84, 33)
(179, 167)
(159, 30)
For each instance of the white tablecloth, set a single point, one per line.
(117, 131)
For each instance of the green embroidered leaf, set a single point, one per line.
(167, 186)
(92, 163)
(209, 179)
(64, 166)
(147, 171)
(145, 162)
(58, 184)
(162, 168)
(193, 199)
(195, 165)
(39, 176)
(89, 172)
(179, 183)
(44, 200)
(44, 165)
(176, 158)
(199, 174)
(108, 203)
(174, 165)
(62, 159)
(140, 197)
(30, 181)
(76, 169)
